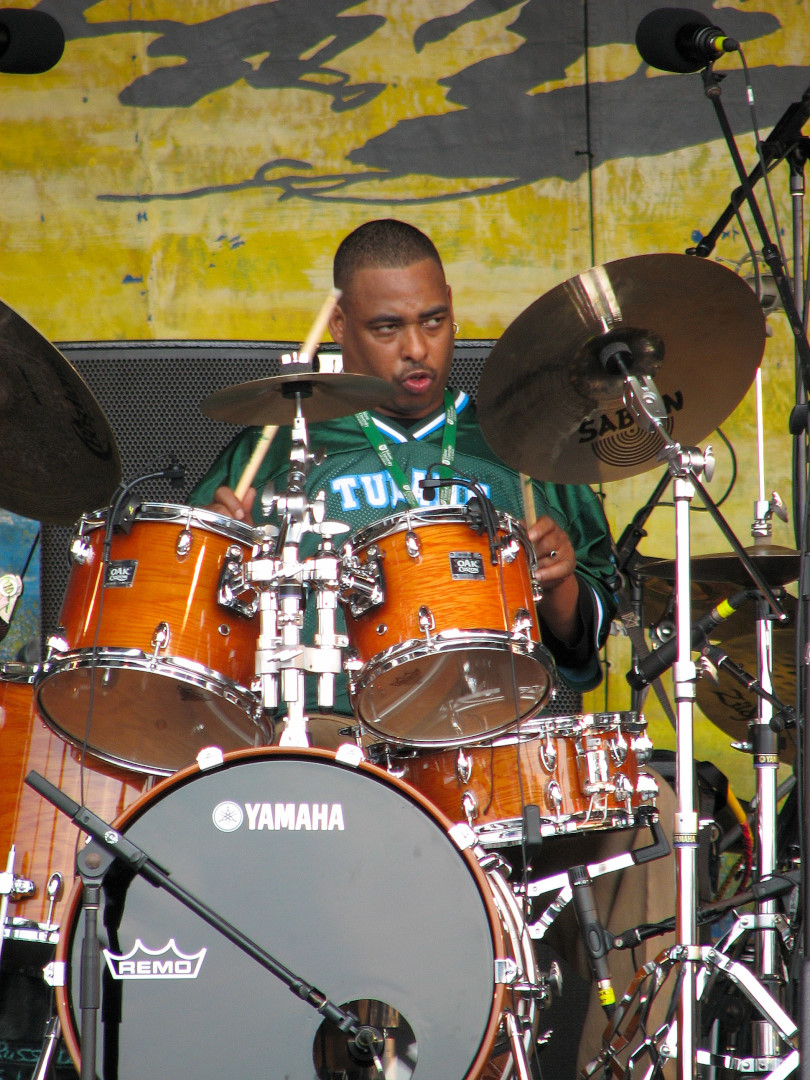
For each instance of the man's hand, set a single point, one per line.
(226, 503)
(556, 563)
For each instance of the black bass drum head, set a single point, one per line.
(346, 876)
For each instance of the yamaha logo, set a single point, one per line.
(294, 817)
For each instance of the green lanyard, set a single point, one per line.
(383, 451)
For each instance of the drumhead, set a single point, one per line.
(345, 875)
(436, 515)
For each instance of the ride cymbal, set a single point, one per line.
(551, 409)
(777, 565)
(325, 395)
(59, 454)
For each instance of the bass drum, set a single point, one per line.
(44, 839)
(350, 880)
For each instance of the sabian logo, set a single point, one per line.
(143, 963)
(295, 817)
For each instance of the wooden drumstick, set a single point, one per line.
(269, 430)
(527, 493)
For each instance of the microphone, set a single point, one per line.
(597, 940)
(30, 41)
(648, 668)
(682, 40)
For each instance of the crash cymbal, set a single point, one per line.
(777, 565)
(726, 702)
(326, 395)
(550, 408)
(59, 455)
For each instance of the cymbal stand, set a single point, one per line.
(281, 579)
(642, 399)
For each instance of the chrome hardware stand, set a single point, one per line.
(642, 399)
(280, 579)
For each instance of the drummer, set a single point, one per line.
(394, 320)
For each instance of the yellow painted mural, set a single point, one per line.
(188, 166)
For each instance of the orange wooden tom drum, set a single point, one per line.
(582, 772)
(167, 665)
(448, 651)
(44, 839)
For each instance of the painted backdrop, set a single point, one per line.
(187, 168)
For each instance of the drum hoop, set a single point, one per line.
(183, 671)
(72, 912)
(423, 517)
(417, 649)
(176, 513)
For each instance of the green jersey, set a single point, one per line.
(360, 491)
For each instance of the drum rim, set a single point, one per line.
(426, 516)
(178, 514)
(71, 915)
(123, 659)
(418, 649)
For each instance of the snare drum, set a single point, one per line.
(44, 839)
(582, 772)
(165, 666)
(346, 877)
(448, 650)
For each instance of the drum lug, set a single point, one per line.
(412, 545)
(469, 805)
(80, 550)
(548, 755)
(57, 642)
(554, 795)
(232, 592)
(506, 970)
(427, 622)
(54, 973)
(647, 788)
(618, 748)
(642, 747)
(160, 638)
(522, 624)
(624, 790)
(464, 767)
(511, 549)
(184, 543)
(16, 887)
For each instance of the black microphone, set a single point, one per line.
(598, 941)
(648, 668)
(680, 39)
(30, 41)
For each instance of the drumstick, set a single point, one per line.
(527, 492)
(269, 430)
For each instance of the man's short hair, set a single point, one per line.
(384, 243)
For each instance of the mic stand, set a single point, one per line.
(110, 845)
(770, 251)
(644, 402)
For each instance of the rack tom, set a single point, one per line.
(443, 632)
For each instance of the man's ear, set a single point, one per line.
(336, 324)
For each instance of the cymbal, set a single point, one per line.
(325, 395)
(549, 407)
(727, 703)
(777, 565)
(59, 454)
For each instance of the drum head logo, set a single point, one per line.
(165, 963)
(228, 816)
